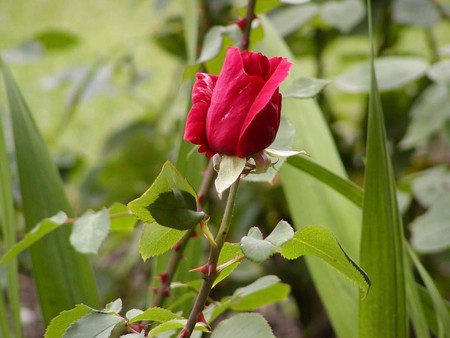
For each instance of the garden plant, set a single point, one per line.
(257, 168)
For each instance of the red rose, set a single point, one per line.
(238, 112)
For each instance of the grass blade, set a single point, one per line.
(341, 185)
(63, 277)
(383, 311)
(8, 229)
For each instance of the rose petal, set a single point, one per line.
(278, 72)
(202, 92)
(231, 101)
(262, 131)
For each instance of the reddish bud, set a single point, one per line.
(163, 277)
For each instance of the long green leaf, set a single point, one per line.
(63, 277)
(343, 186)
(312, 202)
(8, 230)
(442, 314)
(190, 23)
(383, 311)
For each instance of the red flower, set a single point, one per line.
(238, 112)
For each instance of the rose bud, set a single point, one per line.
(238, 112)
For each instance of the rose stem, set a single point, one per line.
(250, 15)
(224, 226)
(212, 263)
(166, 277)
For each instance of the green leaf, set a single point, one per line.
(311, 202)
(156, 314)
(157, 239)
(56, 39)
(431, 185)
(289, 19)
(430, 231)
(190, 24)
(383, 311)
(8, 230)
(344, 186)
(440, 72)
(260, 7)
(406, 12)
(35, 234)
(229, 251)
(264, 291)
(441, 311)
(243, 325)
(59, 325)
(344, 15)
(428, 114)
(305, 88)
(126, 222)
(392, 73)
(89, 231)
(320, 242)
(229, 171)
(72, 280)
(168, 179)
(93, 325)
(258, 249)
(113, 307)
(176, 209)
(212, 44)
(174, 324)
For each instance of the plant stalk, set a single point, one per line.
(212, 263)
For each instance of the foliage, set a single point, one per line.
(92, 162)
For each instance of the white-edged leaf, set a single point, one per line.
(133, 313)
(113, 307)
(39, 231)
(281, 153)
(257, 249)
(89, 231)
(305, 88)
(282, 233)
(392, 73)
(229, 171)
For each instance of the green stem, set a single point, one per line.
(161, 292)
(212, 263)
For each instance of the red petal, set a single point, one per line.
(231, 101)
(278, 72)
(202, 92)
(263, 129)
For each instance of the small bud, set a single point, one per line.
(163, 277)
(262, 161)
